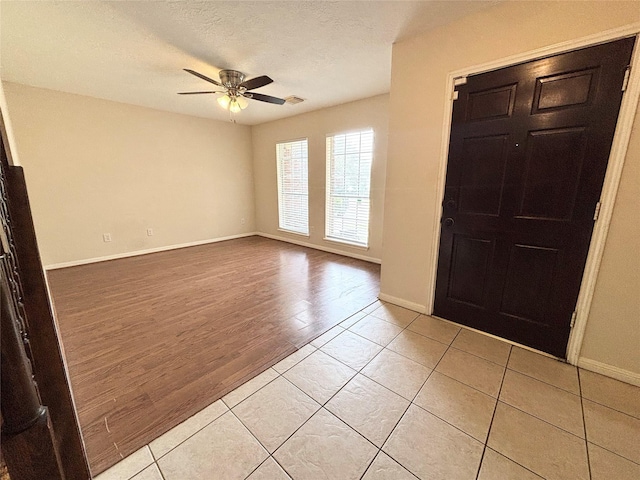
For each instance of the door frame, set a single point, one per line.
(611, 183)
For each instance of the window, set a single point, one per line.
(349, 158)
(293, 186)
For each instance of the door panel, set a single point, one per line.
(528, 152)
(482, 175)
(554, 161)
(469, 269)
(493, 103)
(526, 296)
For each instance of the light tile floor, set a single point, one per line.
(390, 394)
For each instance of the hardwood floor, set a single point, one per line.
(151, 340)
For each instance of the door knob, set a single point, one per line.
(448, 222)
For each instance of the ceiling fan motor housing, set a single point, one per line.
(231, 78)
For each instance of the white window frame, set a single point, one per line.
(330, 232)
(303, 214)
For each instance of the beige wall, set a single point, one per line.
(94, 166)
(315, 126)
(417, 104)
(613, 329)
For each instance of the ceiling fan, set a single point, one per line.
(236, 90)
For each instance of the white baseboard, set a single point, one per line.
(86, 261)
(416, 307)
(320, 247)
(626, 376)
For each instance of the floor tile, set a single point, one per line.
(222, 449)
(180, 433)
(395, 314)
(474, 371)
(269, 470)
(375, 305)
(369, 408)
(328, 335)
(432, 449)
(610, 392)
(458, 404)
(320, 376)
(284, 365)
(376, 330)
(243, 391)
(606, 465)
(610, 429)
(546, 369)
(421, 349)
(497, 467)
(353, 319)
(273, 413)
(542, 448)
(352, 350)
(483, 346)
(434, 328)
(548, 403)
(129, 466)
(386, 468)
(397, 373)
(152, 472)
(325, 448)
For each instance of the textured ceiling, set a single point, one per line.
(134, 52)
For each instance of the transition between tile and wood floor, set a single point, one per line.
(391, 394)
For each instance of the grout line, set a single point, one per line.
(608, 407)
(541, 419)
(372, 341)
(315, 349)
(370, 463)
(281, 466)
(251, 433)
(245, 398)
(155, 460)
(511, 460)
(526, 413)
(411, 402)
(495, 408)
(540, 380)
(613, 453)
(160, 470)
(584, 427)
(261, 463)
(193, 434)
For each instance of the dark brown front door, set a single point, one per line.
(528, 152)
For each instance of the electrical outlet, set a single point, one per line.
(242, 221)
(106, 237)
(149, 232)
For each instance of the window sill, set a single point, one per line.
(294, 233)
(347, 243)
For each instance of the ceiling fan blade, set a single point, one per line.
(265, 98)
(198, 93)
(256, 82)
(203, 77)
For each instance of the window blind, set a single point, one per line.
(349, 159)
(293, 186)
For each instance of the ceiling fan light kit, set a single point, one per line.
(236, 90)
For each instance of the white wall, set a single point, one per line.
(371, 112)
(94, 166)
(416, 120)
